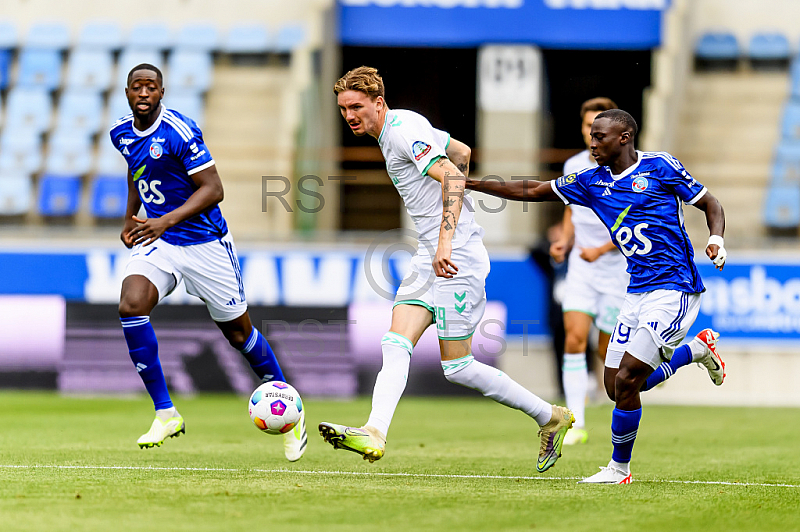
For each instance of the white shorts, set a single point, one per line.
(457, 304)
(210, 271)
(601, 300)
(666, 314)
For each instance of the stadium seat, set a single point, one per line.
(8, 36)
(129, 58)
(28, 109)
(40, 68)
(247, 39)
(782, 208)
(16, 193)
(48, 36)
(80, 111)
(188, 104)
(110, 161)
(109, 196)
(190, 70)
(199, 37)
(6, 57)
(59, 195)
(21, 150)
(717, 46)
(788, 151)
(790, 123)
(68, 154)
(117, 107)
(90, 69)
(149, 37)
(289, 38)
(769, 46)
(100, 36)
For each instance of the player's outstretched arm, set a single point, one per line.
(134, 204)
(209, 192)
(459, 154)
(715, 219)
(452, 180)
(520, 189)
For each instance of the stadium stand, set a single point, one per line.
(16, 193)
(782, 207)
(790, 124)
(769, 50)
(28, 108)
(149, 37)
(20, 151)
(130, 57)
(68, 154)
(200, 37)
(40, 68)
(109, 196)
(8, 36)
(289, 37)
(190, 70)
(59, 195)
(188, 103)
(247, 39)
(101, 36)
(90, 68)
(80, 112)
(718, 50)
(48, 36)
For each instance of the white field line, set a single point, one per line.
(380, 474)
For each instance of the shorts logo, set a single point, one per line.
(420, 149)
(460, 298)
(156, 151)
(639, 184)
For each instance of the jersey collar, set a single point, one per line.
(151, 129)
(629, 170)
(383, 129)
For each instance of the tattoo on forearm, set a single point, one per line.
(462, 166)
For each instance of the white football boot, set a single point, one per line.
(609, 475)
(161, 430)
(296, 440)
(711, 359)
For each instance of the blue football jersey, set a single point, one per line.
(162, 161)
(643, 211)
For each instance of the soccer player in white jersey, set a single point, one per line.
(594, 288)
(639, 196)
(448, 272)
(184, 238)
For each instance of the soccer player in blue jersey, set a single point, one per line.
(639, 198)
(184, 238)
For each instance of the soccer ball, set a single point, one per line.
(275, 407)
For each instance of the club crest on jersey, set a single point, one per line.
(156, 150)
(639, 184)
(420, 149)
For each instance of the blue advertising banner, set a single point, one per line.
(566, 24)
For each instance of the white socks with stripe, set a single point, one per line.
(575, 376)
(391, 380)
(496, 385)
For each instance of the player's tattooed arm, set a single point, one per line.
(459, 154)
(518, 188)
(453, 187)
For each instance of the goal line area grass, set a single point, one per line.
(72, 463)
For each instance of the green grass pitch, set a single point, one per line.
(451, 464)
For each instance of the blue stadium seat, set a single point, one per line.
(782, 207)
(788, 151)
(21, 151)
(717, 46)
(48, 36)
(68, 154)
(790, 124)
(190, 70)
(28, 109)
(129, 58)
(110, 161)
(188, 104)
(59, 195)
(40, 68)
(16, 193)
(117, 107)
(8, 36)
(150, 37)
(247, 39)
(769, 46)
(200, 37)
(6, 57)
(80, 111)
(109, 197)
(90, 69)
(101, 36)
(290, 37)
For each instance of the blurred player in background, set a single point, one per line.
(184, 238)
(639, 196)
(595, 285)
(446, 287)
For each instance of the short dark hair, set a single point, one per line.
(600, 103)
(620, 116)
(146, 66)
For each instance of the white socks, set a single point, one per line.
(698, 349)
(576, 382)
(167, 413)
(391, 380)
(496, 385)
(625, 468)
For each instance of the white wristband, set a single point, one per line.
(716, 240)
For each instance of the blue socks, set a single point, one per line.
(261, 357)
(624, 425)
(143, 348)
(681, 357)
